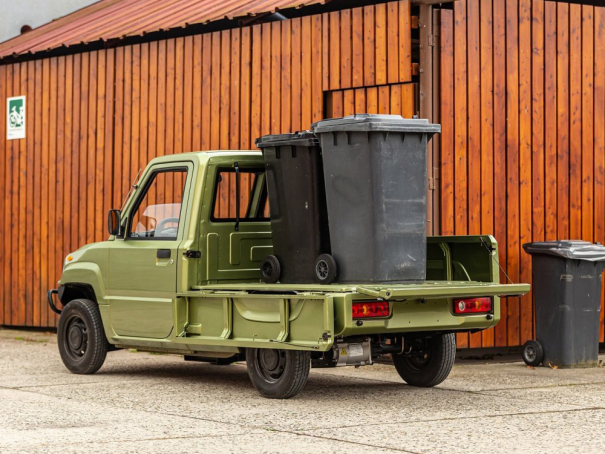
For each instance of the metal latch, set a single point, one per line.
(193, 254)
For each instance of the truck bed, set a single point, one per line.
(310, 316)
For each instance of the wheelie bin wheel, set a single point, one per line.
(533, 353)
(278, 374)
(325, 269)
(270, 269)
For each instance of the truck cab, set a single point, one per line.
(180, 273)
(180, 228)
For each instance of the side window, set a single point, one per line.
(253, 203)
(158, 212)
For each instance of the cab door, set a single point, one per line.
(143, 264)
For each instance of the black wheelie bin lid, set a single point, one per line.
(295, 139)
(569, 249)
(376, 122)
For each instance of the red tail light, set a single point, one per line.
(473, 305)
(372, 309)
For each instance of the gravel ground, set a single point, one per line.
(140, 402)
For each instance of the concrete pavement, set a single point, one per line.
(140, 402)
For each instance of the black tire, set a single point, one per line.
(82, 342)
(533, 353)
(325, 269)
(270, 269)
(278, 374)
(432, 368)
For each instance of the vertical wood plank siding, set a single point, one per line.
(95, 118)
(523, 100)
(522, 107)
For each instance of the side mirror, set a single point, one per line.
(113, 222)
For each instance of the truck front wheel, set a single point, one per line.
(278, 374)
(82, 343)
(428, 365)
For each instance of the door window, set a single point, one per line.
(253, 203)
(158, 211)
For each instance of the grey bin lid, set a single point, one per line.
(295, 139)
(372, 122)
(569, 249)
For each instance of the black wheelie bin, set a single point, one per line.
(375, 178)
(567, 294)
(297, 199)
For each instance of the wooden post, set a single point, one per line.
(436, 141)
(425, 24)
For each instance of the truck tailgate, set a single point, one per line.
(443, 289)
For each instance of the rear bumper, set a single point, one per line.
(415, 316)
(425, 307)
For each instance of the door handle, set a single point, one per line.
(163, 253)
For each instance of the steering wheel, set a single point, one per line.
(161, 227)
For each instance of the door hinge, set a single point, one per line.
(193, 254)
(431, 184)
(432, 40)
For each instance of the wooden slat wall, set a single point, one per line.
(57, 183)
(94, 119)
(368, 46)
(398, 99)
(523, 142)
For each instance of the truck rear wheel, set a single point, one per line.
(432, 365)
(278, 374)
(82, 343)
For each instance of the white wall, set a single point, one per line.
(16, 13)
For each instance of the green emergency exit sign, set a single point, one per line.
(15, 118)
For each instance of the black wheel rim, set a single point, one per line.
(270, 364)
(267, 269)
(322, 269)
(75, 340)
(530, 353)
(419, 361)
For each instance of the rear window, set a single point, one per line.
(253, 203)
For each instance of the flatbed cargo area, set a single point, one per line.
(441, 289)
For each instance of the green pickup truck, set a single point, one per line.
(180, 273)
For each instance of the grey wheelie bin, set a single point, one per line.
(567, 292)
(297, 199)
(375, 178)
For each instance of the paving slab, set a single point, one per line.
(540, 432)
(327, 401)
(252, 443)
(580, 395)
(144, 402)
(30, 419)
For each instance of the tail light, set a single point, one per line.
(473, 305)
(371, 309)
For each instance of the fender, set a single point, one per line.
(86, 273)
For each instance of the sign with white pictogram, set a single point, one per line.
(15, 118)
